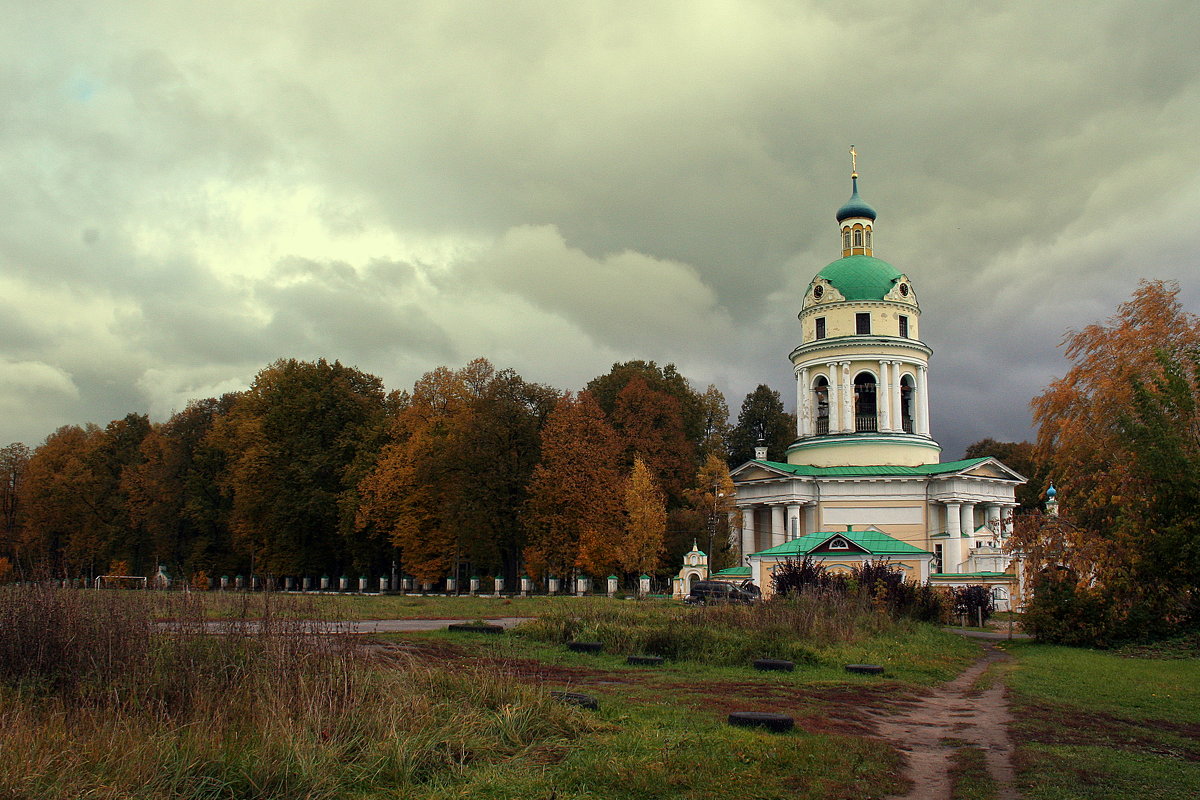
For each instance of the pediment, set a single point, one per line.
(993, 469)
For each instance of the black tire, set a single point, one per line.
(774, 665)
(467, 627)
(577, 699)
(645, 661)
(865, 669)
(776, 723)
(585, 647)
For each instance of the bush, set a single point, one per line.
(879, 581)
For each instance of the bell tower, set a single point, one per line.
(861, 368)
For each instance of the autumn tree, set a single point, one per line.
(714, 498)
(75, 512)
(576, 488)
(650, 422)
(174, 492)
(290, 440)
(1078, 435)
(645, 521)
(1117, 434)
(761, 420)
(666, 380)
(450, 485)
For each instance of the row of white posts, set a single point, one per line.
(583, 584)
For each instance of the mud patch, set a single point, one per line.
(1054, 724)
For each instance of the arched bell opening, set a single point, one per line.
(907, 395)
(865, 408)
(820, 398)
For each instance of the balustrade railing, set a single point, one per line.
(864, 423)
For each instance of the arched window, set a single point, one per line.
(868, 238)
(821, 404)
(864, 403)
(858, 237)
(906, 403)
(846, 239)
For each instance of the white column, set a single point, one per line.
(883, 398)
(778, 525)
(921, 412)
(952, 551)
(896, 403)
(847, 385)
(968, 523)
(835, 399)
(793, 521)
(810, 520)
(993, 519)
(804, 417)
(747, 532)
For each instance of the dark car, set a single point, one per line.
(704, 592)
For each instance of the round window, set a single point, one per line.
(904, 290)
(818, 291)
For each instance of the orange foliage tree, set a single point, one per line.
(646, 521)
(576, 490)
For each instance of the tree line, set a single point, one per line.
(317, 469)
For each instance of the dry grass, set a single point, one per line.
(100, 700)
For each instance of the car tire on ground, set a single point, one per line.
(774, 665)
(577, 699)
(585, 647)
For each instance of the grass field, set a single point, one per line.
(1105, 726)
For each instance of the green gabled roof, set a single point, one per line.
(861, 277)
(877, 543)
(960, 575)
(873, 471)
(733, 572)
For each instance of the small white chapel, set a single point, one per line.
(863, 480)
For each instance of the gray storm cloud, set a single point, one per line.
(193, 191)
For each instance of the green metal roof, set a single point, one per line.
(861, 277)
(734, 572)
(876, 543)
(960, 575)
(872, 471)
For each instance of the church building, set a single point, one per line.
(863, 480)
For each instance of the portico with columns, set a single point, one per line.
(864, 457)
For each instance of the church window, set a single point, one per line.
(868, 237)
(839, 544)
(858, 237)
(864, 403)
(862, 322)
(904, 326)
(846, 239)
(937, 558)
(820, 334)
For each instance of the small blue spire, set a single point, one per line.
(855, 206)
(1052, 492)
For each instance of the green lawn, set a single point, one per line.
(1099, 725)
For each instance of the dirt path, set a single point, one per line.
(953, 716)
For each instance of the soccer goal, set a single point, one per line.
(120, 582)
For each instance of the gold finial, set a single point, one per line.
(853, 162)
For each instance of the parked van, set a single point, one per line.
(704, 592)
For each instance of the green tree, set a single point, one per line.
(762, 419)
(14, 462)
(290, 441)
(1020, 456)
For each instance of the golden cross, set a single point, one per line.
(853, 162)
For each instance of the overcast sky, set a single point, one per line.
(192, 190)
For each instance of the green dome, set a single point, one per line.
(861, 277)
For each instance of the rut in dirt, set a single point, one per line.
(928, 732)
